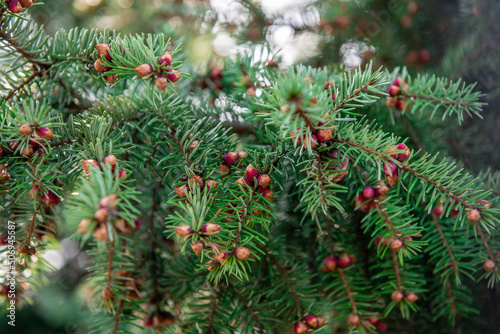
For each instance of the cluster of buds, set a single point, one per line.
(163, 75)
(183, 189)
(230, 159)
(320, 136)
(438, 209)
(391, 169)
(48, 197)
(241, 253)
(374, 321)
(252, 177)
(355, 320)
(310, 321)
(158, 319)
(26, 250)
(333, 262)
(366, 199)
(34, 132)
(105, 213)
(398, 296)
(100, 67)
(396, 92)
(207, 230)
(394, 243)
(109, 159)
(18, 6)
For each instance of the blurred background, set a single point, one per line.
(451, 38)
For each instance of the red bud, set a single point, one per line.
(183, 231)
(166, 59)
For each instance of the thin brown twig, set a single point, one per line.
(430, 98)
(446, 244)
(485, 243)
(348, 290)
(354, 94)
(396, 269)
(117, 316)
(21, 85)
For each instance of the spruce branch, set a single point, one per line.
(454, 263)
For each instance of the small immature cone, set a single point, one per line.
(314, 321)
(368, 192)
(264, 180)
(166, 59)
(83, 226)
(324, 135)
(267, 193)
(400, 82)
(354, 320)
(402, 105)
(101, 215)
(196, 180)
(396, 244)
(394, 90)
(197, 247)
(405, 155)
(411, 297)
(242, 154)
(251, 172)
(330, 264)
(231, 158)
(473, 215)
(391, 102)
(87, 163)
(392, 180)
(224, 169)
(107, 294)
(211, 184)
(144, 70)
(390, 169)
(300, 328)
(22, 249)
(25, 130)
(397, 296)
(100, 67)
(111, 160)
(484, 203)
(32, 251)
(101, 232)
(103, 50)
(221, 256)
(161, 82)
(183, 231)
(242, 253)
(241, 181)
(489, 266)
(381, 189)
(210, 228)
(108, 201)
(27, 151)
(437, 210)
(344, 260)
(193, 145)
(111, 79)
(44, 132)
(122, 174)
(33, 191)
(50, 199)
(173, 75)
(15, 6)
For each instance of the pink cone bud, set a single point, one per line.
(411, 297)
(242, 253)
(396, 244)
(300, 328)
(166, 59)
(15, 6)
(267, 193)
(44, 132)
(394, 90)
(437, 210)
(391, 169)
(406, 154)
(368, 192)
(211, 184)
(50, 199)
(83, 226)
(33, 191)
(111, 160)
(489, 266)
(324, 135)
(484, 203)
(197, 247)
(231, 158)
(330, 264)
(173, 75)
(122, 174)
(264, 180)
(251, 172)
(343, 260)
(402, 105)
(314, 321)
(100, 67)
(397, 296)
(210, 228)
(161, 82)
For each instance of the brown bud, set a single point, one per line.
(22, 249)
(193, 145)
(166, 59)
(103, 50)
(397, 296)
(25, 130)
(33, 191)
(240, 181)
(181, 190)
(242, 154)
(144, 70)
(324, 135)
(330, 264)
(15, 6)
(101, 215)
(489, 266)
(210, 228)
(183, 231)
(32, 251)
(100, 67)
(267, 193)
(264, 180)
(314, 321)
(224, 169)
(108, 201)
(396, 244)
(173, 75)
(83, 226)
(391, 102)
(111, 79)
(87, 163)
(161, 82)
(242, 253)
(473, 215)
(300, 328)
(196, 180)
(107, 294)
(231, 158)
(101, 232)
(211, 184)
(484, 203)
(27, 151)
(197, 247)
(111, 160)
(411, 297)
(354, 320)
